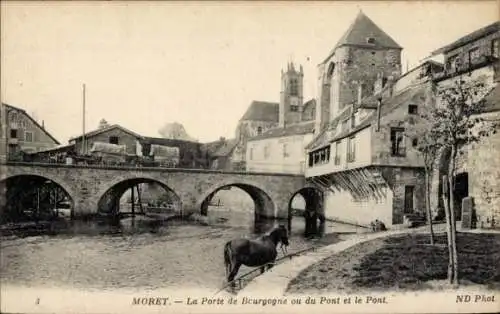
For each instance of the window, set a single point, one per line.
(414, 142)
(294, 87)
(412, 109)
(331, 69)
(28, 136)
(259, 130)
(494, 48)
(351, 149)
(474, 55)
(113, 140)
(294, 108)
(370, 40)
(266, 151)
(337, 153)
(251, 153)
(285, 151)
(13, 133)
(452, 63)
(320, 156)
(397, 142)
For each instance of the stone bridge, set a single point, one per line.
(88, 186)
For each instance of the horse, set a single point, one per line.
(253, 253)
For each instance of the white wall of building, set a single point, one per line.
(362, 158)
(340, 206)
(268, 155)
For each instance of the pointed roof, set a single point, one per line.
(360, 30)
(41, 127)
(262, 111)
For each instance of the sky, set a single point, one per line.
(146, 64)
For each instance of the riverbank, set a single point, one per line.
(402, 263)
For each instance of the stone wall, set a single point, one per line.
(484, 178)
(484, 46)
(398, 179)
(364, 65)
(87, 185)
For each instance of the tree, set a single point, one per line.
(175, 131)
(103, 124)
(428, 148)
(455, 122)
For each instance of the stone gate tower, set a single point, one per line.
(292, 99)
(349, 72)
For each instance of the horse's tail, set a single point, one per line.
(227, 257)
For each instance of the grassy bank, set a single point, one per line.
(403, 262)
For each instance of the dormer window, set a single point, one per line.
(370, 40)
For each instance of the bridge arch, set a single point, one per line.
(265, 206)
(29, 191)
(312, 200)
(110, 195)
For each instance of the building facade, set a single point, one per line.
(20, 133)
(361, 155)
(281, 148)
(113, 134)
(474, 58)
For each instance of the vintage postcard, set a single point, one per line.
(250, 157)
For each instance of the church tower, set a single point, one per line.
(362, 54)
(292, 99)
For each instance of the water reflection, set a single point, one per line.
(218, 217)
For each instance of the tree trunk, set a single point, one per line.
(448, 228)
(451, 186)
(428, 205)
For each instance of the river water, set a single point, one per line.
(137, 254)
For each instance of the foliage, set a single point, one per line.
(453, 122)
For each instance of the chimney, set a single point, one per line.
(43, 124)
(379, 104)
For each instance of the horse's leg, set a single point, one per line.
(269, 266)
(262, 269)
(234, 271)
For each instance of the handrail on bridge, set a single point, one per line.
(140, 167)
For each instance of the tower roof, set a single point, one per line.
(361, 29)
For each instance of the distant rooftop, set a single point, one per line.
(262, 111)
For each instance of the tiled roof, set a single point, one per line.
(484, 31)
(226, 148)
(388, 106)
(33, 121)
(294, 129)
(262, 111)
(106, 129)
(361, 29)
(322, 138)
